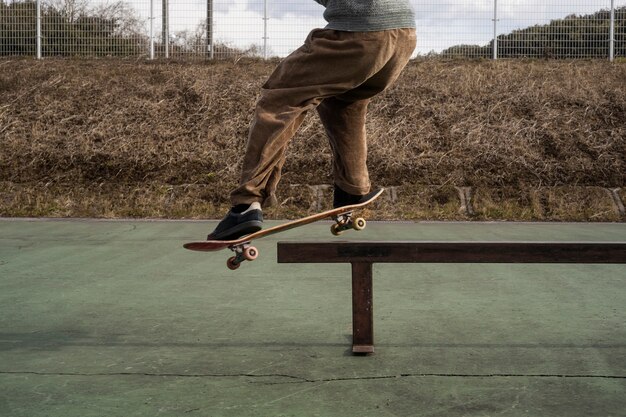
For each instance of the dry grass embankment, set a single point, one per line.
(110, 138)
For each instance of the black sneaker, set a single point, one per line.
(239, 221)
(342, 198)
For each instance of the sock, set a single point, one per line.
(243, 208)
(240, 208)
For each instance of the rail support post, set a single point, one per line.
(362, 308)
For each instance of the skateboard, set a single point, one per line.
(244, 251)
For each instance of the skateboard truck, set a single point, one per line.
(243, 252)
(345, 222)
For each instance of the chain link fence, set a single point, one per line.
(220, 29)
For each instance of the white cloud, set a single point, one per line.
(278, 9)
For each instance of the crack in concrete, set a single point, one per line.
(300, 380)
(153, 374)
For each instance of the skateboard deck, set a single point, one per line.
(244, 251)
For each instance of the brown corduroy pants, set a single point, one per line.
(338, 73)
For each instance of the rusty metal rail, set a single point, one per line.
(363, 254)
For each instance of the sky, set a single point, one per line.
(440, 24)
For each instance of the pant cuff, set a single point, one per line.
(354, 190)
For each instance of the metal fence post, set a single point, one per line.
(612, 33)
(166, 28)
(38, 29)
(151, 29)
(265, 18)
(495, 29)
(209, 28)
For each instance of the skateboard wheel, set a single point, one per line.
(232, 264)
(335, 229)
(250, 253)
(359, 224)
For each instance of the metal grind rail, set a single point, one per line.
(362, 255)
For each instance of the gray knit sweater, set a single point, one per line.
(368, 15)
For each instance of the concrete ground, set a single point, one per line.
(114, 318)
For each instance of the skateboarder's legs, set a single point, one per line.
(344, 123)
(340, 69)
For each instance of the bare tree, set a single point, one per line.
(72, 10)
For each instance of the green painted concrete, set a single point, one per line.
(114, 318)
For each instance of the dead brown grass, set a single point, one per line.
(76, 128)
